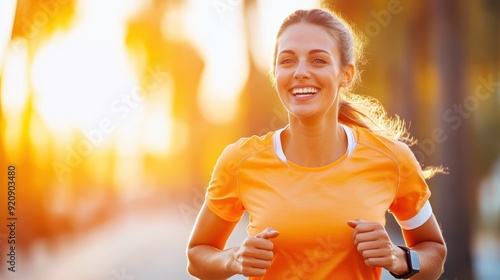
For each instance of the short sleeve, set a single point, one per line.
(222, 195)
(410, 206)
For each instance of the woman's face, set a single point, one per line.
(308, 71)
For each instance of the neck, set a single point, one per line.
(314, 143)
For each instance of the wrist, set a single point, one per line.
(401, 265)
(231, 264)
(412, 264)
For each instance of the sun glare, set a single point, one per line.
(76, 75)
(267, 17)
(14, 81)
(7, 13)
(91, 97)
(14, 92)
(157, 125)
(218, 35)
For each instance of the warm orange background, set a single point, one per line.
(114, 113)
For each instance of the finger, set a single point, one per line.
(384, 247)
(258, 243)
(379, 262)
(259, 253)
(360, 227)
(256, 263)
(251, 271)
(374, 252)
(354, 223)
(369, 236)
(363, 226)
(268, 233)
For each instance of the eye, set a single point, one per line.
(319, 61)
(286, 61)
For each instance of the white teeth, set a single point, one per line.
(308, 90)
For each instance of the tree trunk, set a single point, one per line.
(451, 204)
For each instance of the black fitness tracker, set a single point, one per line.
(412, 261)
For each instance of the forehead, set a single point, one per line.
(304, 36)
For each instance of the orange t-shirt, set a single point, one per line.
(310, 207)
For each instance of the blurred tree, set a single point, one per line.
(34, 21)
(261, 117)
(453, 192)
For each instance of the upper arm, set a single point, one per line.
(428, 231)
(210, 229)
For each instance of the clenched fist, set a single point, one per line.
(256, 253)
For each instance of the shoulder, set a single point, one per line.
(248, 146)
(394, 149)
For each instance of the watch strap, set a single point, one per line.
(412, 270)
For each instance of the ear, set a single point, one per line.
(347, 75)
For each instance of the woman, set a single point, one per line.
(317, 190)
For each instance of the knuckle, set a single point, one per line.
(246, 253)
(359, 248)
(247, 241)
(246, 262)
(270, 255)
(247, 272)
(356, 240)
(268, 264)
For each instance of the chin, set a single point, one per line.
(303, 114)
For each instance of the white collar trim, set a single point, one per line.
(278, 148)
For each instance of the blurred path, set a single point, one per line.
(147, 245)
(140, 245)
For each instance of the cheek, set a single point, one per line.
(283, 77)
(281, 88)
(280, 82)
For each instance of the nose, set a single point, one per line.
(301, 72)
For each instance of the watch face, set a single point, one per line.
(415, 262)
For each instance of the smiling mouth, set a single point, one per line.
(308, 91)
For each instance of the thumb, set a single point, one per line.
(268, 233)
(354, 223)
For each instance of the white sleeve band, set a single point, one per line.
(419, 219)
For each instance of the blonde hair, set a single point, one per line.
(354, 109)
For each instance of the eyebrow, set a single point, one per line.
(310, 52)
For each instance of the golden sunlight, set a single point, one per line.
(14, 92)
(114, 113)
(223, 45)
(7, 13)
(76, 75)
(267, 17)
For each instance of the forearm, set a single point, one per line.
(432, 256)
(206, 262)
